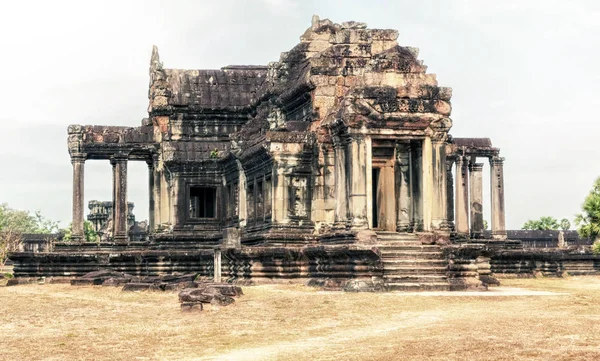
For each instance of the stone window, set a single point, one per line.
(268, 198)
(250, 200)
(203, 202)
(259, 201)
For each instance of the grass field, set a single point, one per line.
(545, 319)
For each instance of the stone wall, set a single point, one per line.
(334, 264)
(141, 263)
(545, 262)
(548, 239)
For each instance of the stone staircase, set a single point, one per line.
(409, 265)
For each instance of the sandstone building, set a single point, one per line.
(346, 132)
(334, 163)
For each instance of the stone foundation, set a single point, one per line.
(335, 264)
(545, 262)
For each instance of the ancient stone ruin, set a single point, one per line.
(101, 216)
(331, 166)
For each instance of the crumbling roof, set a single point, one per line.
(230, 88)
(473, 142)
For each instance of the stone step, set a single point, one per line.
(410, 255)
(415, 262)
(397, 238)
(414, 278)
(392, 269)
(408, 247)
(416, 287)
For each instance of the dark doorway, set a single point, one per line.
(203, 202)
(374, 183)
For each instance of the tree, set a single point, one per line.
(89, 233)
(10, 240)
(24, 222)
(14, 223)
(588, 222)
(565, 224)
(485, 224)
(542, 224)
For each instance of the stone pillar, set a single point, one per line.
(497, 192)
(461, 213)
(280, 203)
(476, 199)
(439, 209)
(217, 265)
(368, 174)
(341, 184)
(241, 195)
(416, 162)
(427, 171)
(151, 199)
(119, 199)
(165, 197)
(403, 183)
(157, 197)
(450, 192)
(358, 183)
(78, 162)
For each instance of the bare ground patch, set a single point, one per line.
(547, 319)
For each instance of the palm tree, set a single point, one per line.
(588, 221)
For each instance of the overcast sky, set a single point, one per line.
(524, 73)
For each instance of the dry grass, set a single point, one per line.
(291, 322)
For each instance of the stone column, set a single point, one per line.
(497, 192)
(217, 265)
(151, 199)
(403, 195)
(416, 173)
(427, 171)
(476, 199)
(358, 183)
(78, 162)
(462, 197)
(241, 196)
(119, 164)
(157, 195)
(341, 184)
(450, 192)
(439, 209)
(280, 203)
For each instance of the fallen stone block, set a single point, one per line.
(177, 286)
(86, 282)
(134, 287)
(99, 277)
(21, 281)
(224, 289)
(212, 296)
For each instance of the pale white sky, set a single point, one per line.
(525, 73)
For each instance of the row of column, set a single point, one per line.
(420, 176)
(469, 197)
(119, 198)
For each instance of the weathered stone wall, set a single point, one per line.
(143, 263)
(547, 262)
(548, 239)
(282, 264)
(256, 264)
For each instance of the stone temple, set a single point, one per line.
(347, 132)
(333, 165)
